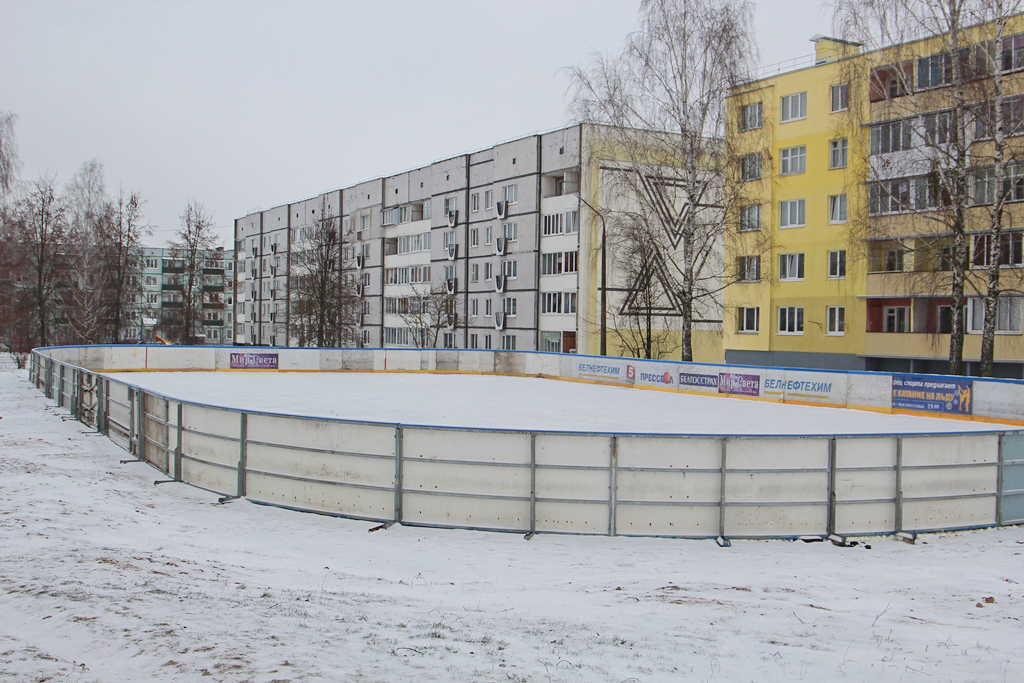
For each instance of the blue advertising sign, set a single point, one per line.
(932, 394)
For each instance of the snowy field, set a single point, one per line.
(106, 577)
(519, 403)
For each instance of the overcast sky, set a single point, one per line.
(246, 105)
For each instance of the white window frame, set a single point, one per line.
(836, 317)
(840, 92)
(793, 107)
(1008, 315)
(750, 116)
(488, 199)
(899, 316)
(837, 264)
(837, 209)
(749, 268)
(791, 267)
(791, 320)
(750, 215)
(749, 321)
(474, 202)
(792, 214)
(793, 160)
(511, 193)
(838, 153)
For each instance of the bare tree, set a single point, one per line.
(324, 298)
(193, 246)
(84, 295)
(662, 99)
(428, 313)
(125, 229)
(39, 228)
(9, 163)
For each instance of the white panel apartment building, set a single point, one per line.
(500, 227)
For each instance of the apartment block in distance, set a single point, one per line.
(510, 234)
(844, 251)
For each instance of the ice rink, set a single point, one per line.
(521, 403)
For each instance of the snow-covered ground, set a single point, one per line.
(498, 402)
(106, 577)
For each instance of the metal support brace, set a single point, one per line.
(831, 524)
(899, 485)
(242, 437)
(131, 421)
(398, 474)
(177, 446)
(722, 540)
(999, 479)
(613, 482)
(533, 487)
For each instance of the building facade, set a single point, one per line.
(852, 164)
(495, 249)
(160, 296)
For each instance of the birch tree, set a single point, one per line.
(663, 102)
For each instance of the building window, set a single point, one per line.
(508, 306)
(487, 308)
(896, 319)
(510, 231)
(794, 107)
(938, 128)
(1008, 315)
(558, 263)
(511, 193)
(791, 266)
(749, 320)
(450, 204)
(749, 268)
(474, 307)
(836, 320)
(840, 97)
(750, 167)
(508, 342)
(837, 264)
(474, 202)
(793, 160)
(448, 340)
(892, 136)
(488, 271)
(750, 218)
(750, 116)
(364, 338)
(791, 319)
(474, 341)
(488, 199)
(474, 237)
(558, 302)
(894, 260)
(1011, 250)
(550, 342)
(489, 234)
(837, 208)
(791, 214)
(889, 196)
(837, 153)
(509, 269)
(934, 71)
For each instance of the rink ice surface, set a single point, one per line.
(521, 403)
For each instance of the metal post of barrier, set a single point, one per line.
(899, 485)
(131, 420)
(60, 386)
(398, 475)
(140, 425)
(242, 437)
(721, 496)
(831, 525)
(167, 436)
(177, 446)
(613, 471)
(533, 485)
(999, 481)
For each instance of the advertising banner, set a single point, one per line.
(656, 375)
(731, 383)
(601, 370)
(254, 361)
(932, 394)
(805, 387)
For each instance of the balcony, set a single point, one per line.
(1009, 347)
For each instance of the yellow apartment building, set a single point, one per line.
(841, 249)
